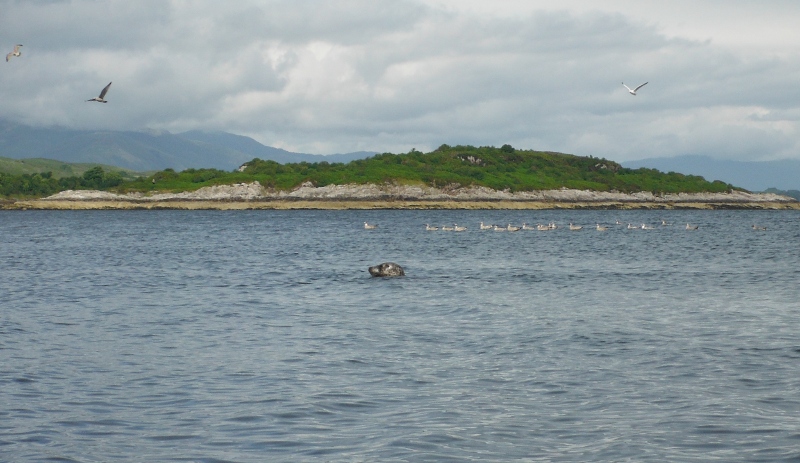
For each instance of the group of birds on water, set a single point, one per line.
(100, 99)
(550, 226)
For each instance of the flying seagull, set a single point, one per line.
(633, 92)
(16, 52)
(102, 95)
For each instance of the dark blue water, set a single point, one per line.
(255, 336)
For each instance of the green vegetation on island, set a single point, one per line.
(45, 184)
(502, 168)
(57, 169)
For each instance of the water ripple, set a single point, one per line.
(259, 336)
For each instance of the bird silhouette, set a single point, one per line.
(633, 92)
(16, 52)
(100, 99)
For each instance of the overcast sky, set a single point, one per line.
(327, 77)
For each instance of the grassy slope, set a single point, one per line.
(58, 168)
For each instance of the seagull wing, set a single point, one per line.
(629, 89)
(16, 47)
(637, 88)
(105, 90)
(8, 56)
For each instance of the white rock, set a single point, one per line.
(254, 191)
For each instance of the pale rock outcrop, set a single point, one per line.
(307, 191)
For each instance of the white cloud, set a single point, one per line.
(325, 76)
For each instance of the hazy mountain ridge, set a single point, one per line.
(782, 175)
(255, 149)
(146, 150)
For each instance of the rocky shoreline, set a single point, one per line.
(307, 196)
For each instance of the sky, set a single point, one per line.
(325, 77)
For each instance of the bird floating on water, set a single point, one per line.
(633, 92)
(100, 99)
(16, 52)
(692, 227)
(758, 227)
(367, 226)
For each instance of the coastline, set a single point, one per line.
(368, 205)
(250, 196)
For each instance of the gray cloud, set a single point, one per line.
(325, 76)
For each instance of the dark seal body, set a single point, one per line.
(386, 269)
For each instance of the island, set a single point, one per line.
(461, 177)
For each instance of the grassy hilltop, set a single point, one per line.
(57, 169)
(502, 168)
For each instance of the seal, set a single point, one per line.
(386, 269)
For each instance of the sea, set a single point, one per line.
(260, 336)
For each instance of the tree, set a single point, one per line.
(112, 179)
(93, 178)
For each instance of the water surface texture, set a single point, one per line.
(252, 336)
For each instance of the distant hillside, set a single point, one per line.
(790, 193)
(255, 149)
(753, 176)
(146, 150)
(57, 168)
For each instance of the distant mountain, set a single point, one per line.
(145, 150)
(752, 175)
(256, 150)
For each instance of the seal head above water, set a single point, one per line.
(386, 269)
